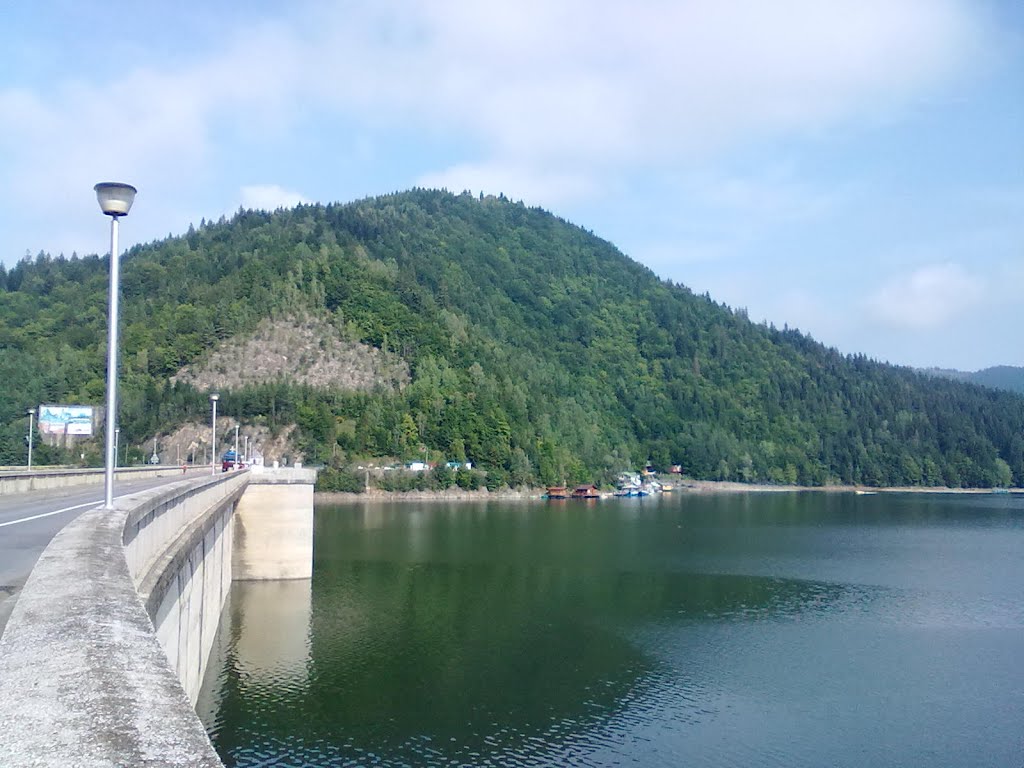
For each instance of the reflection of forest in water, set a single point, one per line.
(454, 625)
(512, 634)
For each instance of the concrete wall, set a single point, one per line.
(84, 678)
(179, 555)
(20, 481)
(105, 651)
(274, 526)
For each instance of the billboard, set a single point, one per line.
(65, 419)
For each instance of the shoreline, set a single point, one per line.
(689, 487)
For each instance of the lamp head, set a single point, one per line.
(115, 199)
(215, 397)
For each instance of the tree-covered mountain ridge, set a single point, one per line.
(1008, 377)
(537, 350)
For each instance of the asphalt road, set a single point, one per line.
(29, 520)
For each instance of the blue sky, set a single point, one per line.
(852, 168)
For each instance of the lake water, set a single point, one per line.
(734, 630)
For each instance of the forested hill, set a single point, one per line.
(1006, 377)
(536, 350)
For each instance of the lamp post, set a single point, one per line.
(213, 441)
(236, 447)
(115, 201)
(117, 443)
(31, 415)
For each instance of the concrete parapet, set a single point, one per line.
(21, 481)
(105, 650)
(85, 680)
(178, 547)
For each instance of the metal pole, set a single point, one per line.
(213, 442)
(112, 320)
(31, 414)
(236, 446)
(117, 443)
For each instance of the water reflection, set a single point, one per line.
(734, 630)
(262, 651)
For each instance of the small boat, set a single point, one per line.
(557, 492)
(632, 492)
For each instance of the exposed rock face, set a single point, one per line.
(301, 350)
(190, 443)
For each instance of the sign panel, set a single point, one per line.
(65, 419)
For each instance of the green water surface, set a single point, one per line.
(750, 630)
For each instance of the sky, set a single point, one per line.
(851, 168)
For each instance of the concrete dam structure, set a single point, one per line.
(104, 655)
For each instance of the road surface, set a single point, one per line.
(29, 520)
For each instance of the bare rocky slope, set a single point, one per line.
(302, 350)
(305, 350)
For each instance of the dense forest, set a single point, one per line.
(537, 351)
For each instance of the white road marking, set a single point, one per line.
(56, 512)
(48, 514)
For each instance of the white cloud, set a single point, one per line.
(556, 97)
(270, 197)
(562, 81)
(928, 298)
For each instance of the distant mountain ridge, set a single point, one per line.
(534, 349)
(1007, 377)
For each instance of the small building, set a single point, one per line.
(585, 492)
(557, 492)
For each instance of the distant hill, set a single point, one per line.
(1008, 377)
(533, 349)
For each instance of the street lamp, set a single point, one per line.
(117, 443)
(31, 415)
(115, 201)
(236, 446)
(213, 441)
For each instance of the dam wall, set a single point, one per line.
(104, 653)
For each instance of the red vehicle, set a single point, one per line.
(230, 461)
